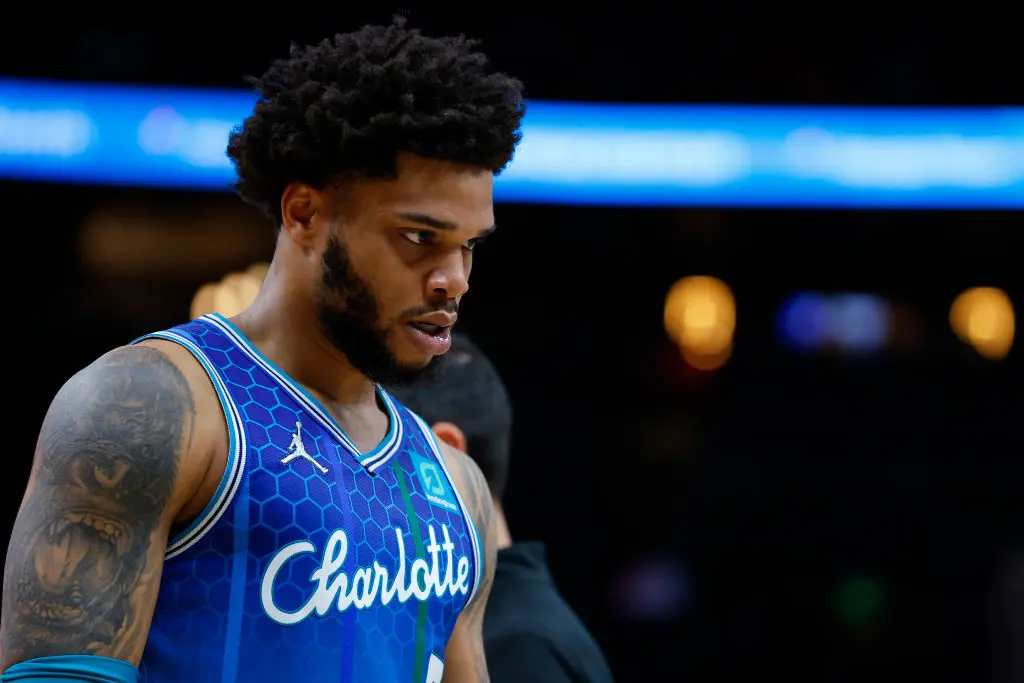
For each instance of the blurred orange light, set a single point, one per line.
(984, 318)
(706, 361)
(700, 317)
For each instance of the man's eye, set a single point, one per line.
(418, 236)
(472, 244)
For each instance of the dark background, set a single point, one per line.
(748, 497)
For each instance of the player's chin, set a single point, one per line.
(422, 344)
(410, 363)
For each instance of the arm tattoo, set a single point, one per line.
(475, 493)
(86, 551)
(477, 498)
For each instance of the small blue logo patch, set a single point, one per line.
(436, 487)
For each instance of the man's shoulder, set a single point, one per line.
(457, 461)
(537, 612)
(467, 478)
(528, 614)
(144, 370)
(548, 655)
(159, 361)
(147, 387)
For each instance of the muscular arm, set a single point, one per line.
(464, 656)
(85, 555)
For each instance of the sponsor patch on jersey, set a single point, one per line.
(436, 487)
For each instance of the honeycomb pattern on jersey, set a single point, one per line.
(296, 502)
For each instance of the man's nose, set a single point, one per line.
(450, 278)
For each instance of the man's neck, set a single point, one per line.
(292, 340)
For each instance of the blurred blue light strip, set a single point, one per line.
(596, 154)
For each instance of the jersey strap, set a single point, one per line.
(234, 470)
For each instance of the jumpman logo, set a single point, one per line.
(297, 450)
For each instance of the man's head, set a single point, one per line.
(375, 154)
(467, 405)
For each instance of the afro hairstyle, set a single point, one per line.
(345, 108)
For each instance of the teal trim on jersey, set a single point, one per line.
(481, 564)
(475, 537)
(391, 439)
(234, 468)
(376, 457)
(417, 544)
(71, 669)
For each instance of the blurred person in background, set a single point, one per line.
(239, 500)
(530, 632)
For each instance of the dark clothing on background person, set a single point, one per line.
(530, 632)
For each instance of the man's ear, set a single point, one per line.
(300, 207)
(451, 435)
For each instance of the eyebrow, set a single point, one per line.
(438, 224)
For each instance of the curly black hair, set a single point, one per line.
(347, 107)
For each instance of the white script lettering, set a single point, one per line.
(333, 587)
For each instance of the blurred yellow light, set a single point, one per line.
(231, 295)
(700, 316)
(227, 301)
(203, 301)
(258, 271)
(983, 317)
(244, 286)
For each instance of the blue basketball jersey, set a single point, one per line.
(312, 562)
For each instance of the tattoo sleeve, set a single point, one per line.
(477, 498)
(85, 555)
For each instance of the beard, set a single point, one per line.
(349, 314)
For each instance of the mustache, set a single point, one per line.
(446, 307)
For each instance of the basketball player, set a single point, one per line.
(530, 632)
(238, 500)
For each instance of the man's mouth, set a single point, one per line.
(432, 330)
